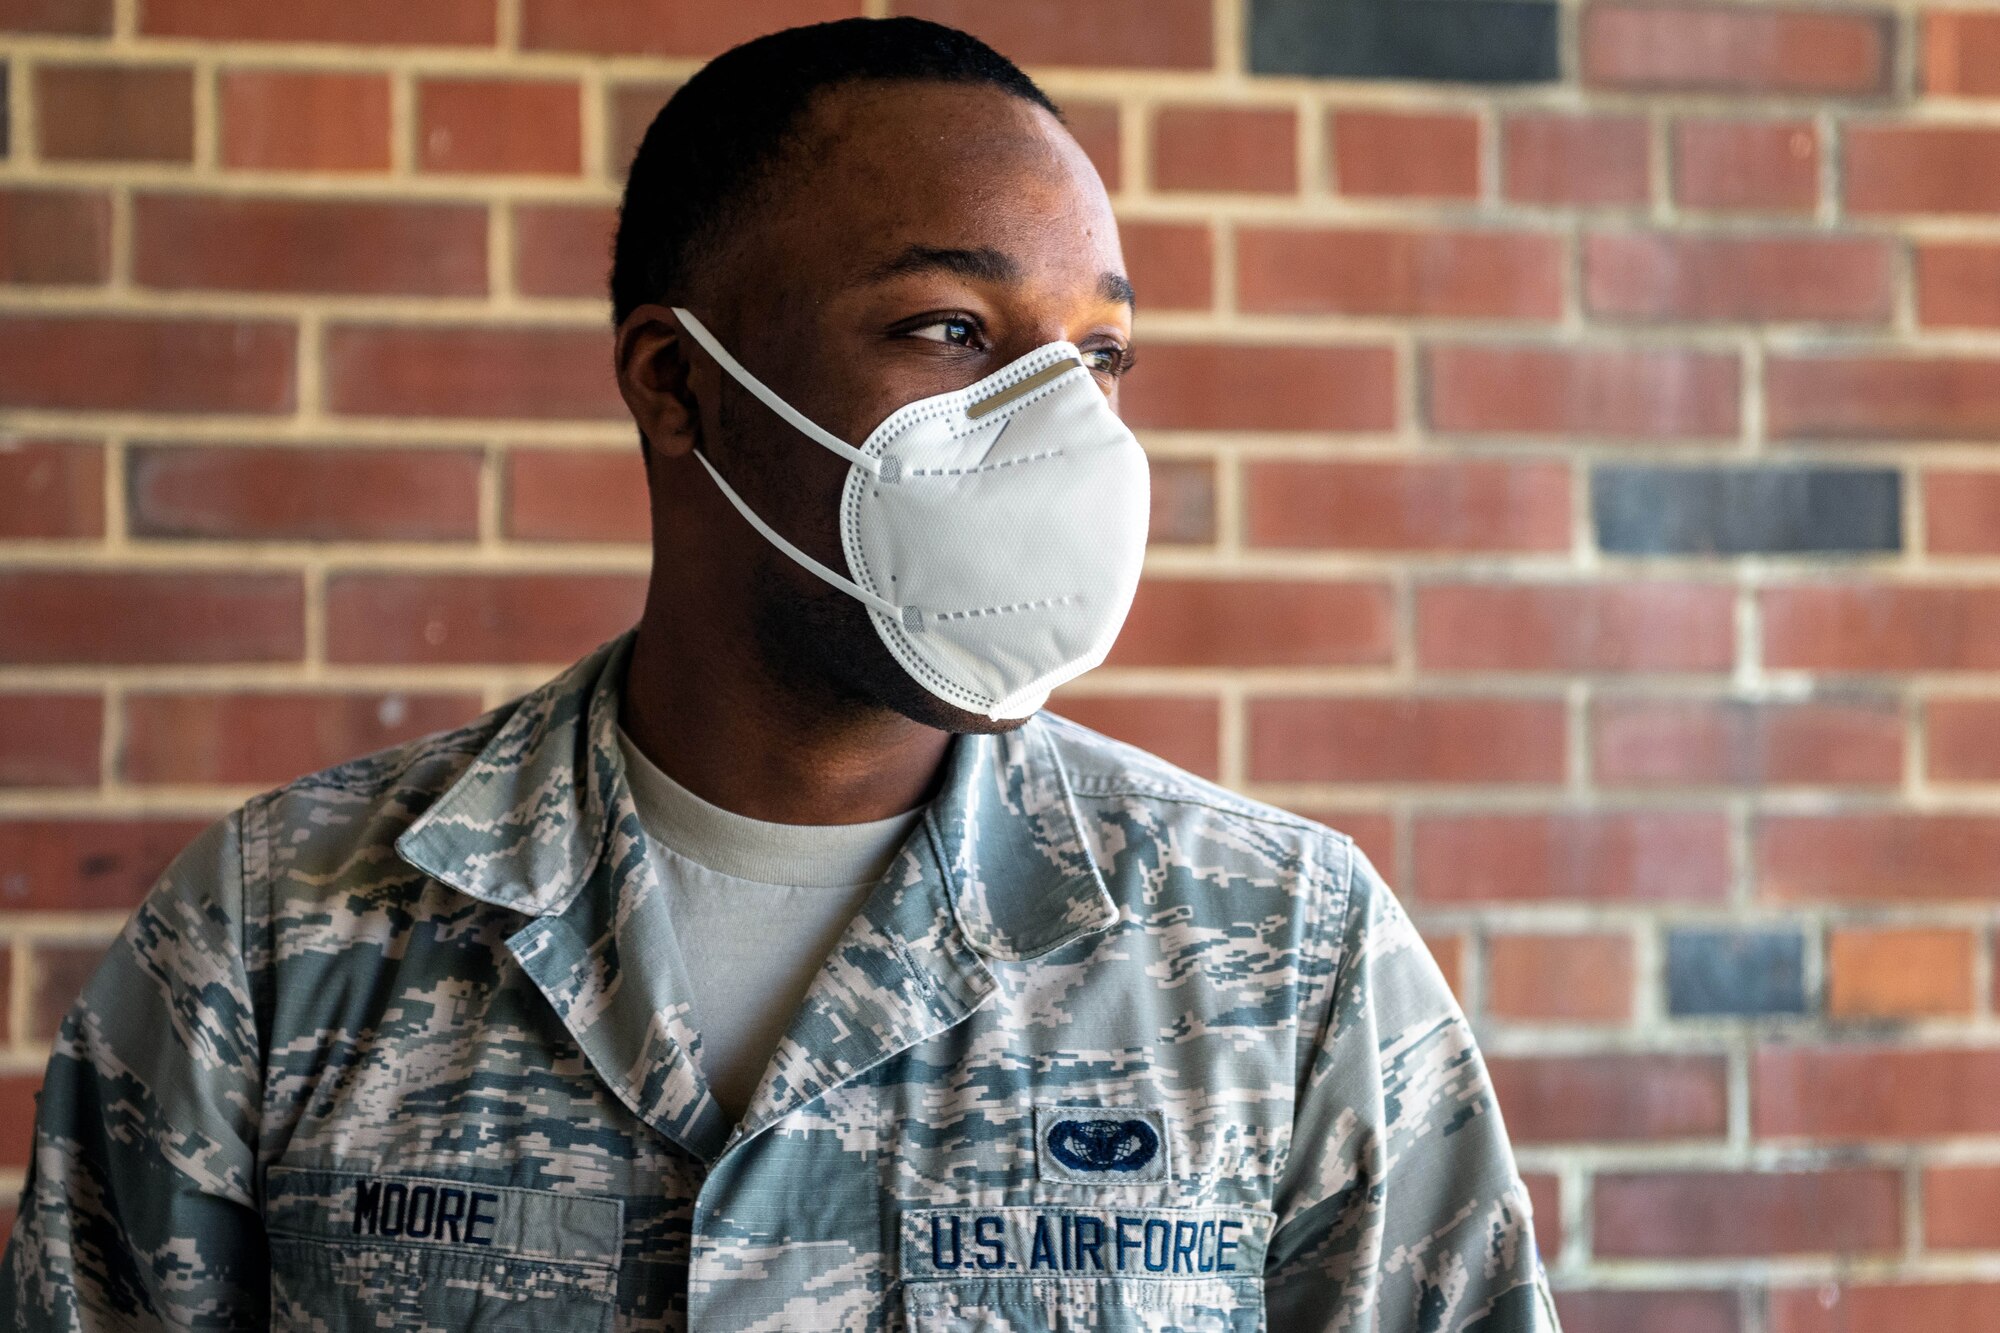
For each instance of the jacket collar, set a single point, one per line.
(527, 823)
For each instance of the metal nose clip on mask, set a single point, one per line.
(995, 533)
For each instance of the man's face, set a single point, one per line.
(921, 237)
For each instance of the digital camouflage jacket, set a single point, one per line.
(405, 1045)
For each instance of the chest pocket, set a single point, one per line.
(1113, 1270)
(355, 1251)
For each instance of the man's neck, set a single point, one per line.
(731, 736)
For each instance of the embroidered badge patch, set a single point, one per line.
(1099, 1145)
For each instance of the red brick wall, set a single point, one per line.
(1579, 491)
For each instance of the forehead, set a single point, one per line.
(879, 167)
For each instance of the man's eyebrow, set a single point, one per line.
(983, 264)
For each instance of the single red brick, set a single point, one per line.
(1242, 149)
(1156, 34)
(1740, 742)
(1655, 625)
(55, 237)
(303, 120)
(1729, 48)
(287, 493)
(51, 488)
(1962, 53)
(1958, 1208)
(1771, 165)
(633, 106)
(1839, 626)
(402, 370)
(115, 617)
(1431, 739)
(1889, 1307)
(499, 125)
(60, 972)
(1460, 274)
(344, 247)
(1922, 169)
(1095, 127)
(1468, 504)
(1611, 1310)
(85, 865)
(1871, 397)
(1171, 264)
(364, 22)
(1182, 729)
(1869, 857)
(1962, 739)
(147, 364)
(115, 113)
(49, 740)
(1405, 154)
(1240, 387)
(1448, 952)
(73, 18)
(1631, 393)
(476, 618)
(1899, 973)
(263, 740)
(1549, 158)
(17, 1118)
(1611, 1096)
(1545, 1199)
(1958, 284)
(1961, 511)
(1560, 978)
(563, 249)
(1884, 1091)
(1741, 1214)
(665, 27)
(1254, 623)
(1616, 856)
(1758, 279)
(573, 495)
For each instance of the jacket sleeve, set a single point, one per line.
(139, 1208)
(1399, 1206)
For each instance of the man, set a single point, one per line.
(779, 966)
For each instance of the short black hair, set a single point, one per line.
(725, 129)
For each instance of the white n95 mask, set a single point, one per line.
(995, 533)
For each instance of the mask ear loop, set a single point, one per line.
(805, 425)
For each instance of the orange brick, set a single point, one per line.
(1400, 154)
(1182, 729)
(1899, 973)
(1560, 978)
(1922, 169)
(1235, 149)
(1428, 739)
(1770, 165)
(1958, 284)
(499, 126)
(1611, 856)
(1459, 274)
(1576, 160)
(1958, 1208)
(1253, 622)
(1961, 511)
(303, 120)
(1962, 739)
(1961, 53)
(1457, 505)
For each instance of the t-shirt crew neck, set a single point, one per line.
(756, 908)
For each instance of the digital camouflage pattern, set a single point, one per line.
(405, 1045)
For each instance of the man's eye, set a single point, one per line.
(957, 332)
(1109, 360)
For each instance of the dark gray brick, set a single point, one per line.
(1457, 41)
(1735, 972)
(1740, 510)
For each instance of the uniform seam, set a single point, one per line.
(1086, 786)
(1342, 909)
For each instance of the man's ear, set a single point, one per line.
(650, 357)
